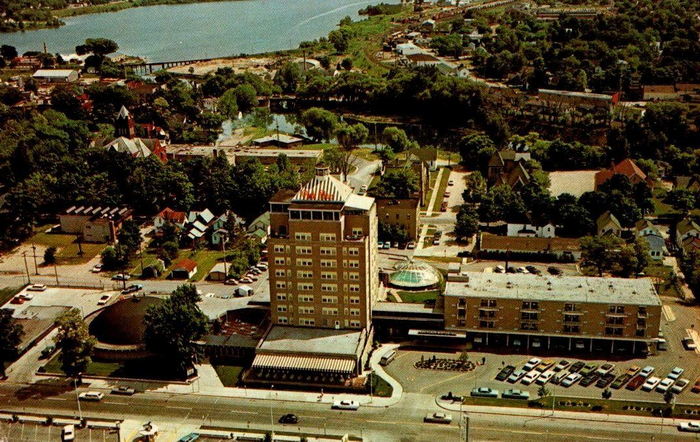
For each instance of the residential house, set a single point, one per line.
(94, 223)
(690, 183)
(657, 246)
(137, 147)
(404, 213)
(56, 76)
(218, 226)
(197, 225)
(408, 49)
(531, 230)
(184, 269)
(546, 249)
(627, 168)
(260, 227)
(608, 224)
(686, 229)
(171, 216)
(507, 167)
(644, 227)
(428, 155)
(26, 63)
(691, 245)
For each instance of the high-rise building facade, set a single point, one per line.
(322, 254)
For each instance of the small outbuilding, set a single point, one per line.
(218, 272)
(184, 269)
(56, 75)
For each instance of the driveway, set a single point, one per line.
(363, 174)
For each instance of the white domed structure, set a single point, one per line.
(411, 275)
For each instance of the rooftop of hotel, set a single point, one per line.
(583, 289)
(285, 339)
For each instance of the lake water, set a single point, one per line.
(205, 30)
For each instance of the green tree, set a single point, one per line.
(246, 97)
(340, 39)
(397, 183)
(467, 222)
(115, 258)
(397, 139)
(11, 333)
(288, 77)
(543, 392)
(600, 252)
(8, 52)
(172, 327)
(97, 46)
(228, 104)
(475, 187)
(75, 343)
(476, 151)
(130, 236)
(50, 255)
(319, 123)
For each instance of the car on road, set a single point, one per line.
(571, 379)
(513, 393)
(505, 372)
(675, 373)
(651, 383)
(345, 405)
(121, 277)
(589, 379)
(680, 385)
(411, 245)
(576, 366)
(132, 288)
(516, 376)
(693, 427)
(438, 418)
(124, 391)
(605, 380)
(532, 363)
(545, 377)
(636, 382)
(68, 433)
(246, 280)
(104, 299)
(451, 183)
(289, 418)
(562, 365)
(97, 268)
(665, 385)
(554, 271)
(91, 396)
(646, 371)
(37, 287)
(605, 369)
(26, 296)
(530, 377)
(620, 381)
(189, 437)
(588, 369)
(484, 392)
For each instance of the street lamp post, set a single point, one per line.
(272, 421)
(77, 398)
(26, 267)
(36, 268)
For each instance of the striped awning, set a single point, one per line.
(312, 363)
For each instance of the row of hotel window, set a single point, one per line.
(569, 318)
(307, 274)
(325, 237)
(534, 305)
(307, 286)
(311, 322)
(326, 311)
(325, 251)
(328, 263)
(324, 299)
(567, 328)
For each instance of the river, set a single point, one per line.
(203, 30)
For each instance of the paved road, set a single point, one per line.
(363, 174)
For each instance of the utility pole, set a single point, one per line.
(77, 399)
(26, 267)
(224, 237)
(36, 268)
(272, 421)
(55, 272)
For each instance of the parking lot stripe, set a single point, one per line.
(668, 313)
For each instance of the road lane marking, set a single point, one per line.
(243, 412)
(178, 408)
(56, 399)
(116, 403)
(668, 313)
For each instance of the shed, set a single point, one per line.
(184, 269)
(218, 272)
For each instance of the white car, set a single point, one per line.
(664, 385)
(37, 287)
(545, 377)
(345, 405)
(571, 379)
(675, 373)
(646, 371)
(562, 365)
(97, 268)
(693, 427)
(451, 183)
(438, 418)
(68, 433)
(27, 296)
(532, 363)
(530, 377)
(246, 280)
(104, 299)
(91, 396)
(680, 385)
(651, 383)
(605, 369)
(516, 376)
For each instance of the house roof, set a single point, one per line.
(607, 218)
(525, 244)
(626, 167)
(186, 264)
(691, 243)
(53, 73)
(133, 146)
(655, 242)
(220, 267)
(426, 154)
(687, 225)
(172, 216)
(644, 224)
(123, 113)
(323, 188)
(263, 221)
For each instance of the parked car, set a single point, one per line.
(189, 437)
(696, 387)
(576, 366)
(411, 245)
(262, 266)
(380, 245)
(588, 369)
(675, 373)
(289, 418)
(387, 245)
(532, 363)
(438, 418)
(231, 281)
(505, 372)
(693, 427)
(443, 206)
(91, 396)
(680, 385)
(37, 287)
(17, 300)
(447, 194)
(665, 385)
(512, 393)
(484, 392)
(499, 269)
(605, 380)
(605, 369)
(47, 351)
(246, 280)
(521, 270)
(26, 296)
(436, 240)
(252, 277)
(68, 433)
(132, 288)
(557, 378)
(620, 381)
(345, 405)
(562, 365)
(545, 377)
(571, 379)
(530, 377)
(516, 376)
(646, 371)
(104, 299)
(689, 343)
(554, 271)
(651, 383)
(123, 390)
(121, 277)
(544, 366)
(395, 245)
(636, 382)
(451, 183)
(97, 268)
(589, 379)
(633, 371)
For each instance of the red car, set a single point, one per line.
(636, 382)
(17, 300)
(696, 387)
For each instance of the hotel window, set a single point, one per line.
(613, 331)
(302, 262)
(328, 263)
(570, 307)
(353, 288)
(617, 309)
(356, 231)
(572, 318)
(354, 312)
(486, 324)
(302, 236)
(354, 300)
(306, 298)
(615, 321)
(329, 299)
(328, 251)
(279, 261)
(329, 287)
(281, 284)
(281, 308)
(572, 329)
(530, 305)
(329, 275)
(306, 310)
(527, 316)
(330, 311)
(281, 296)
(640, 332)
(352, 264)
(278, 249)
(280, 273)
(353, 251)
(488, 303)
(355, 324)
(487, 314)
(282, 320)
(304, 274)
(528, 326)
(641, 323)
(327, 236)
(354, 276)
(303, 250)
(305, 286)
(306, 321)
(642, 312)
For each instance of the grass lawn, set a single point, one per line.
(418, 297)
(441, 188)
(380, 387)
(431, 187)
(7, 293)
(68, 250)
(137, 369)
(661, 275)
(206, 260)
(229, 374)
(367, 39)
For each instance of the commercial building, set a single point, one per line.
(404, 213)
(56, 75)
(279, 140)
(536, 249)
(298, 157)
(95, 224)
(566, 313)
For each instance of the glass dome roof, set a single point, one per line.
(414, 275)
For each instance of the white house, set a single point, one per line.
(531, 231)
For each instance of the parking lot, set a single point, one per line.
(83, 299)
(32, 432)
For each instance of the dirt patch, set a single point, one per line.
(256, 65)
